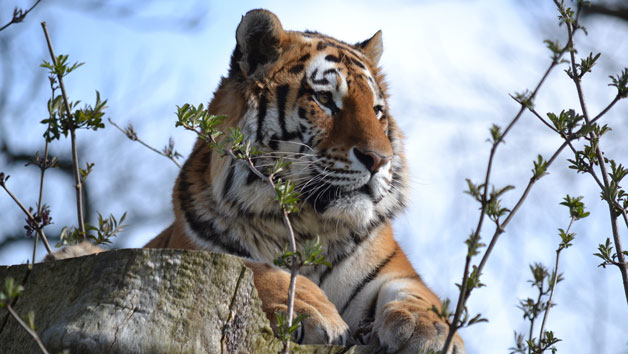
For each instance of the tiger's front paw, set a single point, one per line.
(407, 327)
(322, 325)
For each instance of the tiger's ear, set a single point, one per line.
(373, 47)
(258, 38)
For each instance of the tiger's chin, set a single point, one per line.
(359, 210)
(356, 211)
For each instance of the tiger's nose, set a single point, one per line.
(371, 160)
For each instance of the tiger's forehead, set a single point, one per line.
(336, 50)
(337, 67)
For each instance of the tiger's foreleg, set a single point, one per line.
(323, 323)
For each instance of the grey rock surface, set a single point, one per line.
(143, 301)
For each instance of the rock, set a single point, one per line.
(143, 301)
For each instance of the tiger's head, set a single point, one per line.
(320, 104)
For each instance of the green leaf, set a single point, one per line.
(524, 98)
(476, 319)
(618, 172)
(11, 291)
(496, 134)
(85, 172)
(586, 64)
(621, 83)
(29, 319)
(474, 190)
(555, 48)
(605, 253)
(566, 238)
(286, 196)
(540, 168)
(69, 236)
(474, 279)
(444, 312)
(576, 207)
(312, 253)
(473, 244)
(107, 228)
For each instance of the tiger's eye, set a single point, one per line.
(323, 97)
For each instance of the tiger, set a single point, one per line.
(321, 105)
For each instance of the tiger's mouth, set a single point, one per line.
(323, 195)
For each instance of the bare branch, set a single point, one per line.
(605, 110)
(30, 216)
(553, 285)
(19, 15)
(533, 111)
(28, 329)
(130, 133)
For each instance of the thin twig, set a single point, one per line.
(605, 110)
(533, 318)
(464, 292)
(43, 165)
(602, 164)
(553, 285)
(134, 137)
(30, 216)
(18, 15)
(510, 216)
(531, 109)
(75, 165)
(28, 329)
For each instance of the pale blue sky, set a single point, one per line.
(450, 66)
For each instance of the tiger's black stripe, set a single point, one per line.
(333, 58)
(303, 114)
(203, 228)
(282, 96)
(358, 63)
(228, 180)
(251, 177)
(296, 69)
(357, 240)
(367, 279)
(369, 315)
(322, 81)
(273, 143)
(261, 115)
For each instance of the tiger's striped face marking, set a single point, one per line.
(322, 106)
